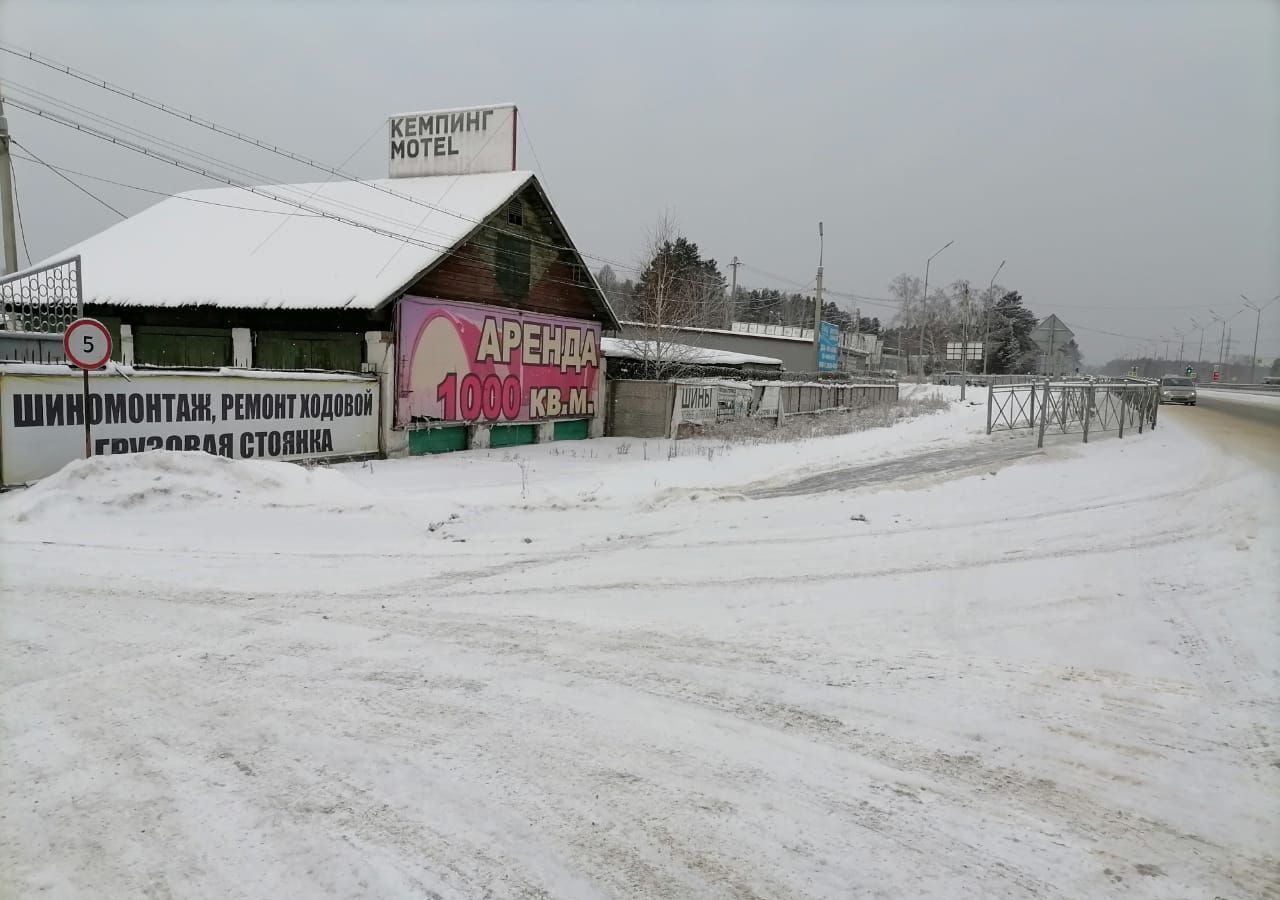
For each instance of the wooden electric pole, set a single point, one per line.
(6, 202)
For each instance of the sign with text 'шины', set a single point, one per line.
(454, 141)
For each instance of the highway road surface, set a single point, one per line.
(1241, 422)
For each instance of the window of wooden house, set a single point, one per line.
(515, 213)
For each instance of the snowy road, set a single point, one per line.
(1002, 449)
(615, 675)
(1239, 422)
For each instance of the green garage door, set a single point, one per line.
(308, 350)
(160, 345)
(572, 430)
(512, 435)
(437, 440)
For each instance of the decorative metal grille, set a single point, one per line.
(41, 301)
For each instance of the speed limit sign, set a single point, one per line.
(87, 343)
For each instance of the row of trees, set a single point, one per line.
(1236, 370)
(679, 287)
(995, 315)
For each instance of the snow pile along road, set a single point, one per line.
(171, 480)
(575, 672)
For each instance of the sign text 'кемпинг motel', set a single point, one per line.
(453, 142)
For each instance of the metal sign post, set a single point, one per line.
(87, 344)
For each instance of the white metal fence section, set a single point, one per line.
(43, 300)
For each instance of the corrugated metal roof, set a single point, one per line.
(254, 252)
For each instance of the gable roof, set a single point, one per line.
(233, 248)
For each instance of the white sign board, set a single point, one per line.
(264, 416)
(454, 141)
(708, 403)
(961, 350)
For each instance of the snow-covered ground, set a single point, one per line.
(601, 669)
(1270, 399)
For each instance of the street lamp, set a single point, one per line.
(924, 304)
(986, 341)
(1182, 347)
(1222, 342)
(1253, 361)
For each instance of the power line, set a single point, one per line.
(17, 205)
(423, 220)
(205, 158)
(271, 148)
(263, 145)
(78, 187)
(191, 118)
(285, 220)
(775, 277)
(443, 250)
(62, 119)
(153, 191)
(529, 140)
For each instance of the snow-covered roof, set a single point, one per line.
(625, 348)
(234, 248)
(735, 332)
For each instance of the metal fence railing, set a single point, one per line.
(1075, 407)
(43, 300)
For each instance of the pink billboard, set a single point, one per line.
(462, 362)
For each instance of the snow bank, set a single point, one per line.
(167, 480)
(1245, 398)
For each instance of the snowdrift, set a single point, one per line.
(163, 480)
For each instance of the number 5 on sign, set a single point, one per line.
(87, 344)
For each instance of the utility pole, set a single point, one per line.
(733, 292)
(964, 343)
(1053, 334)
(857, 334)
(924, 306)
(6, 202)
(817, 308)
(991, 301)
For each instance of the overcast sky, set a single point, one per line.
(1124, 157)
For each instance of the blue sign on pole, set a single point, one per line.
(829, 347)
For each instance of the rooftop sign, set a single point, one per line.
(454, 141)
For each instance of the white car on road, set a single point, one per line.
(1177, 389)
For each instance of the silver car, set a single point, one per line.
(1177, 389)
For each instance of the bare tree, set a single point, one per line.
(676, 292)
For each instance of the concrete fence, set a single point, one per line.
(683, 408)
